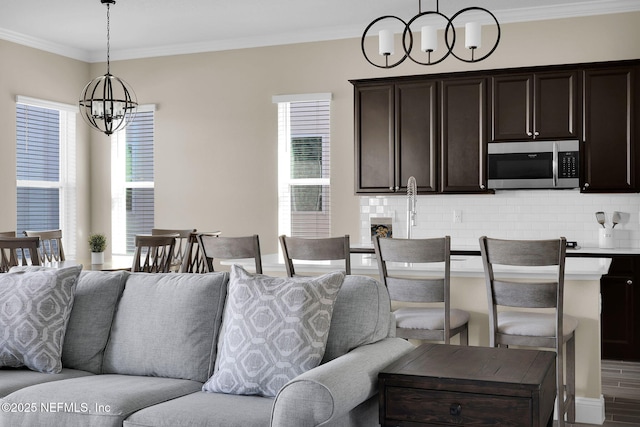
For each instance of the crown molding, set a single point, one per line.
(534, 13)
(45, 45)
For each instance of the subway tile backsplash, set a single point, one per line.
(519, 214)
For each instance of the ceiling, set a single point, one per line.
(147, 28)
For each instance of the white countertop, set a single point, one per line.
(461, 266)
(581, 252)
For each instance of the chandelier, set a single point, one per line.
(431, 21)
(107, 103)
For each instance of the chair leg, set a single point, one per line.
(560, 401)
(571, 379)
(464, 336)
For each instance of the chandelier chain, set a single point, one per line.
(108, 37)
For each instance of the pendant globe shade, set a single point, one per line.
(107, 103)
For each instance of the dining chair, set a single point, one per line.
(316, 249)
(194, 260)
(434, 319)
(50, 244)
(153, 254)
(538, 319)
(217, 247)
(18, 251)
(181, 244)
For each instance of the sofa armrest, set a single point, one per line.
(331, 390)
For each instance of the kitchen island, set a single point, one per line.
(468, 292)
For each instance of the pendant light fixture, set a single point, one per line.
(107, 103)
(433, 21)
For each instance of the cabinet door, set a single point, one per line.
(416, 135)
(512, 104)
(555, 105)
(535, 106)
(374, 130)
(621, 310)
(609, 114)
(463, 135)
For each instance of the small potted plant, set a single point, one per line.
(97, 244)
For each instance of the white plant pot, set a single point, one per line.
(97, 257)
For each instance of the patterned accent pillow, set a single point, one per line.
(35, 307)
(273, 330)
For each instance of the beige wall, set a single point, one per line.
(216, 134)
(37, 74)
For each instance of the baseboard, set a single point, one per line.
(588, 411)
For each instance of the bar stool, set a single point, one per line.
(319, 249)
(536, 327)
(216, 247)
(424, 323)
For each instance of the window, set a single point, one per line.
(46, 168)
(304, 208)
(132, 181)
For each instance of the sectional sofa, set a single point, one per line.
(90, 348)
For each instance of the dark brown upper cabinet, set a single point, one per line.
(531, 106)
(396, 138)
(463, 136)
(436, 127)
(610, 130)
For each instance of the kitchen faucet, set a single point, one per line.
(411, 204)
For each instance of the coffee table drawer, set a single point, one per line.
(445, 407)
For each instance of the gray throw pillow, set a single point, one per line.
(34, 311)
(273, 330)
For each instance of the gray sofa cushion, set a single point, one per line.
(203, 409)
(167, 325)
(96, 297)
(360, 316)
(96, 400)
(12, 379)
(35, 307)
(274, 329)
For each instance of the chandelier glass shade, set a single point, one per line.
(107, 103)
(437, 37)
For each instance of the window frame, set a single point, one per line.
(120, 186)
(285, 181)
(67, 164)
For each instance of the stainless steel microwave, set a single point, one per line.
(534, 164)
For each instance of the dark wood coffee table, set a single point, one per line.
(439, 384)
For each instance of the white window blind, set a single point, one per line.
(132, 183)
(304, 204)
(46, 168)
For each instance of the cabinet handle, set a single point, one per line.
(536, 133)
(397, 188)
(586, 185)
(629, 282)
(455, 409)
(482, 186)
(529, 133)
(391, 188)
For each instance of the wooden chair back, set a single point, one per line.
(194, 260)
(217, 247)
(182, 241)
(50, 244)
(535, 294)
(423, 251)
(153, 254)
(18, 251)
(319, 249)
